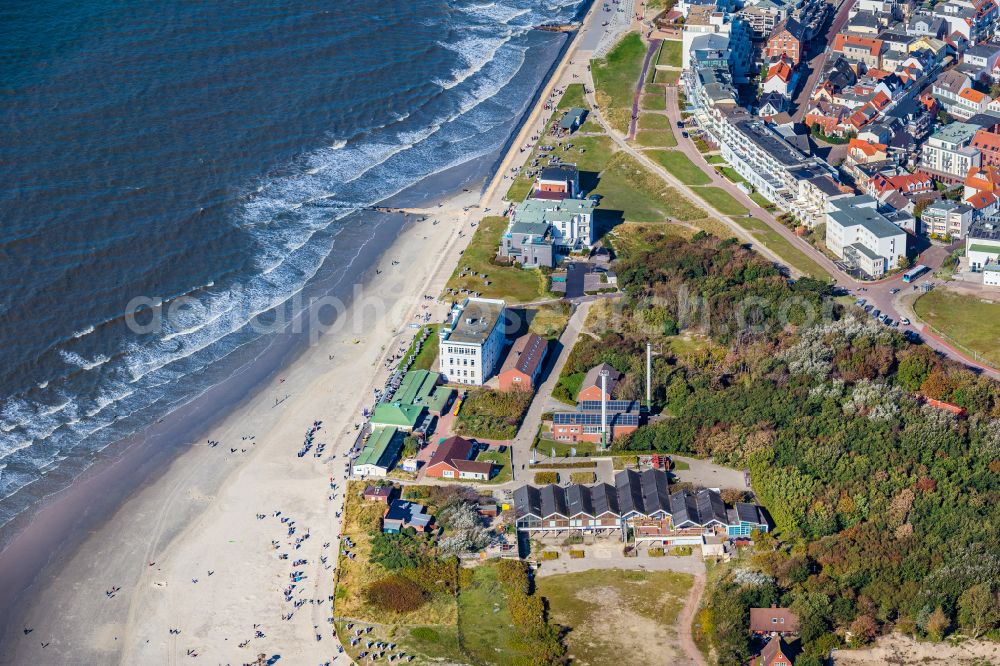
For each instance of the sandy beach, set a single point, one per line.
(189, 552)
(198, 563)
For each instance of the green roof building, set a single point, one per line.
(380, 453)
(416, 387)
(398, 415)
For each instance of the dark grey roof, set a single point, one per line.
(527, 500)
(645, 492)
(604, 499)
(986, 229)
(578, 501)
(594, 418)
(770, 142)
(826, 185)
(612, 406)
(553, 501)
(748, 513)
(560, 172)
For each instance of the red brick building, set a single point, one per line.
(788, 39)
(988, 143)
(777, 653)
(453, 460)
(523, 363)
(591, 387)
(773, 620)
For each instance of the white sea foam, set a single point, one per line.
(84, 331)
(283, 215)
(75, 359)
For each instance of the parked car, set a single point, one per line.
(860, 302)
(680, 123)
(882, 317)
(904, 321)
(887, 321)
(894, 291)
(868, 308)
(875, 313)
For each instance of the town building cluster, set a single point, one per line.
(878, 119)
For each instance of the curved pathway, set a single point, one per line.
(687, 618)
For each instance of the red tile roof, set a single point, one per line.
(782, 70)
(873, 45)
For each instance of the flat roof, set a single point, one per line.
(770, 142)
(473, 321)
(381, 449)
(546, 211)
(415, 386)
(988, 229)
(865, 251)
(868, 218)
(956, 132)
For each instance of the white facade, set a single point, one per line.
(472, 341)
(947, 218)
(858, 233)
(948, 151)
(991, 275)
(982, 244)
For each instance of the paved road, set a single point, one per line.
(875, 292)
(653, 46)
(818, 62)
(521, 446)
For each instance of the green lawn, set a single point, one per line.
(680, 166)
(641, 195)
(967, 320)
(547, 446)
(616, 77)
(573, 97)
(485, 621)
(762, 201)
(608, 610)
(656, 121)
(670, 53)
(778, 244)
(730, 173)
(669, 76)
(721, 200)
(715, 159)
(567, 387)
(502, 460)
(655, 138)
(428, 352)
(653, 102)
(589, 153)
(511, 283)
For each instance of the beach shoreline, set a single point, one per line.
(157, 542)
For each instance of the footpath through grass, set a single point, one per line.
(641, 195)
(680, 167)
(721, 200)
(967, 320)
(615, 79)
(511, 283)
(778, 244)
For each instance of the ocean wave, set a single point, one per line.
(283, 213)
(72, 358)
(84, 331)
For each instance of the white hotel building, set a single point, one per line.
(472, 341)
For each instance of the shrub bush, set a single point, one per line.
(545, 478)
(550, 555)
(492, 414)
(396, 594)
(656, 551)
(582, 477)
(576, 554)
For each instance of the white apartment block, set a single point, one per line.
(472, 341)
(947, 218)
(982, 244)
(863, 237)
(947, 151)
